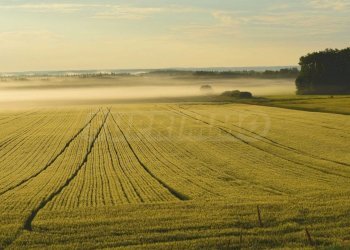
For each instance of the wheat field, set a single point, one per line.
(174, 176)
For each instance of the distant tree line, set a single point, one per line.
(325, 72)
(282, 73)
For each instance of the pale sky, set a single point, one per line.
(120, 34)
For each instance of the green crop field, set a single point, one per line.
(174, 176)
(327, 104)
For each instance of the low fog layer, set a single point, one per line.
(129, 88)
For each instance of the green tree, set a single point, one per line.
(325, 72)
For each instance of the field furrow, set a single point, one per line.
(233, 156)
(253, 136)
(173, 176)
(25, 201)
(54, 144)
(119, 177)
(293, 156)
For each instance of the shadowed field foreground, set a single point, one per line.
(174, 176)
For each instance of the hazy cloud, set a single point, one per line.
(224, 24)
(25, 35)
(188, 32)
(102, 11)
(225, 18)
(338, 5)
(137, 13)
(127, 12)
(50, 7)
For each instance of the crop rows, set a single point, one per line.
(194, 225)
(160, 176)
(297, 129)
(113, 175)
(308, 164)
(234, 157)
(27, 199)
(35, 149)
(247, 136)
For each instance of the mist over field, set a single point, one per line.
(128, 88)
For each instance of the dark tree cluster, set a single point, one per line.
(325, 72)
(237, 94)
(206, 87)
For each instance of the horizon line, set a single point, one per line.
(161, 68)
